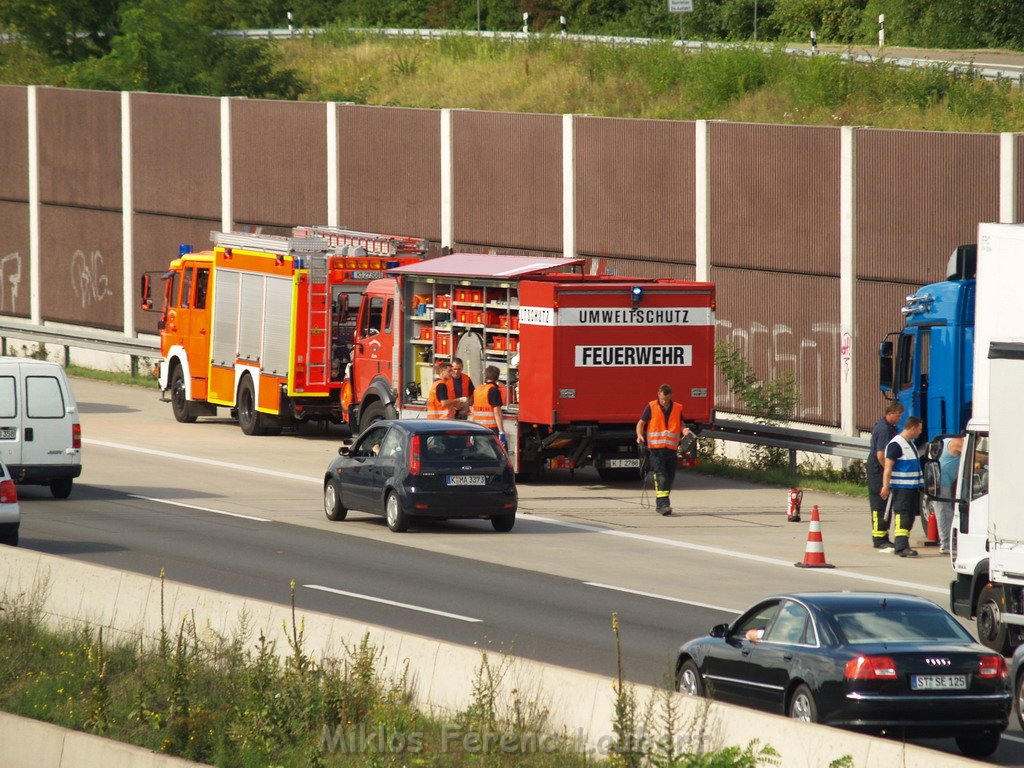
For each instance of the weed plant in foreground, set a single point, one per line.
(236, 702)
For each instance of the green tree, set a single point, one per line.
(834, 21)
(164, 48)
(67, 30)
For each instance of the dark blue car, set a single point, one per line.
(437, 469)
(873, 662)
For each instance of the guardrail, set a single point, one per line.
(793, 440)
(986, 71)
(84, 338)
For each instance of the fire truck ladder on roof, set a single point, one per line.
(284, 246)
(339, 238)
(318, 340)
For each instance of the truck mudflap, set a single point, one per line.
(961, 596)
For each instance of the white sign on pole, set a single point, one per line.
(680, 6)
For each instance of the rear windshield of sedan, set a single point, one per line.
(463, 447)
(901, 625)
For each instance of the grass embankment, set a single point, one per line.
(747, 84)
(231, 702)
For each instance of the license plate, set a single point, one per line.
(938, 682)
(467, 480)
(366, 274)
(616, 463)
(8, 433)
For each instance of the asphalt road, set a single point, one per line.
(243, 515)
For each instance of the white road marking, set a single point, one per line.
(372, 599)
(1018, 739)
(661, 597)
(202, 509)
(834, 572)
(208, 462)
(736, 555)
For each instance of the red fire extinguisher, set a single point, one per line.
(793, 507)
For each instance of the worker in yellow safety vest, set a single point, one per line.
(441, 401)
(487, 402)
(660, 429)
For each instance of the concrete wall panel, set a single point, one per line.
(176, 155)
(81, 266)
(14, 139)
(919, 195)
(508, 180)
(777, 336)
(15, 280)
(79, 148)
(635, 189)
(279, 162)
(774, 197)
(389, 164)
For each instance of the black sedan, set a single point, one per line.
(436, 469)
(872, 662)
(1017, 680)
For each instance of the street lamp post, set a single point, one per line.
(755, 21)
(478, 17)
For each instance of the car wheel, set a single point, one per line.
(530, 472)
(688, 679)
(61, 489)
(991, 630)
(9, 537)
(332, 501)
(801, 705)
(981, 744)
(503, 523)
(179, 402)
(398, 521)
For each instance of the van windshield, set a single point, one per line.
(464, 447)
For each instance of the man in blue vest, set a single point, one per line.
(903, 480)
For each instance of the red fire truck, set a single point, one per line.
(263, 324)
(579, 355)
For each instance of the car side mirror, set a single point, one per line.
(719, 630)
(345, 450)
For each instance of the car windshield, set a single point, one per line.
(447, 447)
(901, 625)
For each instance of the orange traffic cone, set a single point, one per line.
(933, 530)
(814, 553)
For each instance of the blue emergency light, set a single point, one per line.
(184, 249)
(635, 294)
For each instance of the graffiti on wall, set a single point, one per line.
(811, 359)
(89, 278)
(10, 279)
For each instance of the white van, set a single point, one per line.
(40, 435)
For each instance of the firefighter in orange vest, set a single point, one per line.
(487, 402)
(461, 385)
(660, 428)
(441, 402)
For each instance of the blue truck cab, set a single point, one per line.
(928, 365)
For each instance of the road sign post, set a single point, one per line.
(680, 7)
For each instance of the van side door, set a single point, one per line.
(48, 418)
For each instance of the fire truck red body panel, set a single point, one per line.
(587, 353)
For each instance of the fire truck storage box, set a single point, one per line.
(425, 376)
(587, 354)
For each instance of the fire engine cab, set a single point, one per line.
(263, 324)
